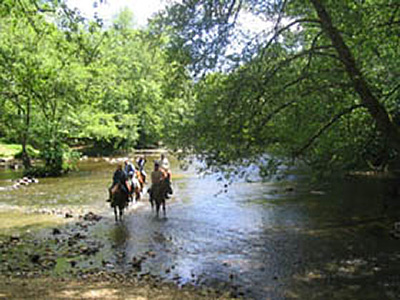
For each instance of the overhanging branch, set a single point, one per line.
(283, 29)
(332, 121)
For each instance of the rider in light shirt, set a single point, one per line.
(164, 164)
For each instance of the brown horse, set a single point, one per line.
(119, 199)
(138, 186)
(158, 194)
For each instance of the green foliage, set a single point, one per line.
(64, 79)
(288, 92)
(32, 152)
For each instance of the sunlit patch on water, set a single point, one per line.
(17, 221)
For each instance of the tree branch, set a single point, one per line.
(375, 108)
(297, 99)
(389, 94)
(287, 27)
(286, 61)
(332, 121)
(31, 22)
(13, 98)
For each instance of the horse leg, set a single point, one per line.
(115, 214)
(157, 208)
(121, 212)
(151, 200)
(137, 195)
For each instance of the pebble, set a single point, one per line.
(35, 258)
(14, 238)
(56, 231)
(92, 217)
(151, 253)
(176, 277)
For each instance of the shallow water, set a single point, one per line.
(271, 240)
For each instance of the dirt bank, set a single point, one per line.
(51, 288)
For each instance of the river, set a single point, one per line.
(263, 240)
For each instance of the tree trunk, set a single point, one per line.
(26, 160)
(375, 108)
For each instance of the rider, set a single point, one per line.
(141, 161)
(156, 177)
(129, 168)
(164, 163)
(131, 179)
(165, 167)
(119, 177)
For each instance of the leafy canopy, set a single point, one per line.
(317, 84)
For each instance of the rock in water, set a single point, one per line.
(56, 231)
(35, 258)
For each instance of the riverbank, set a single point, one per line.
(9, 155)
(63, 289)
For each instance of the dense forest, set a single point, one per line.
(68, 82)
(317, 83)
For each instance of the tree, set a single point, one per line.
(132, 88)
(65, 80)
(42, 79)
(317, 84)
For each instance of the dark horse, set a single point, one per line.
(119, 199)
(159, 193)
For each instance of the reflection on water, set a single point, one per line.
(262, 239)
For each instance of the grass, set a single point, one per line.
(9, 150)
(12, 150)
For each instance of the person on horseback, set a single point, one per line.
(141, 161)
(119, 177)
(156, 177)
(165, 167)
(160, 187)
(131, 182)
(164, 164)
(129, 168)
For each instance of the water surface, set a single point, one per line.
(264, 240)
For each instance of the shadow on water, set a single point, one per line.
(279, 240)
